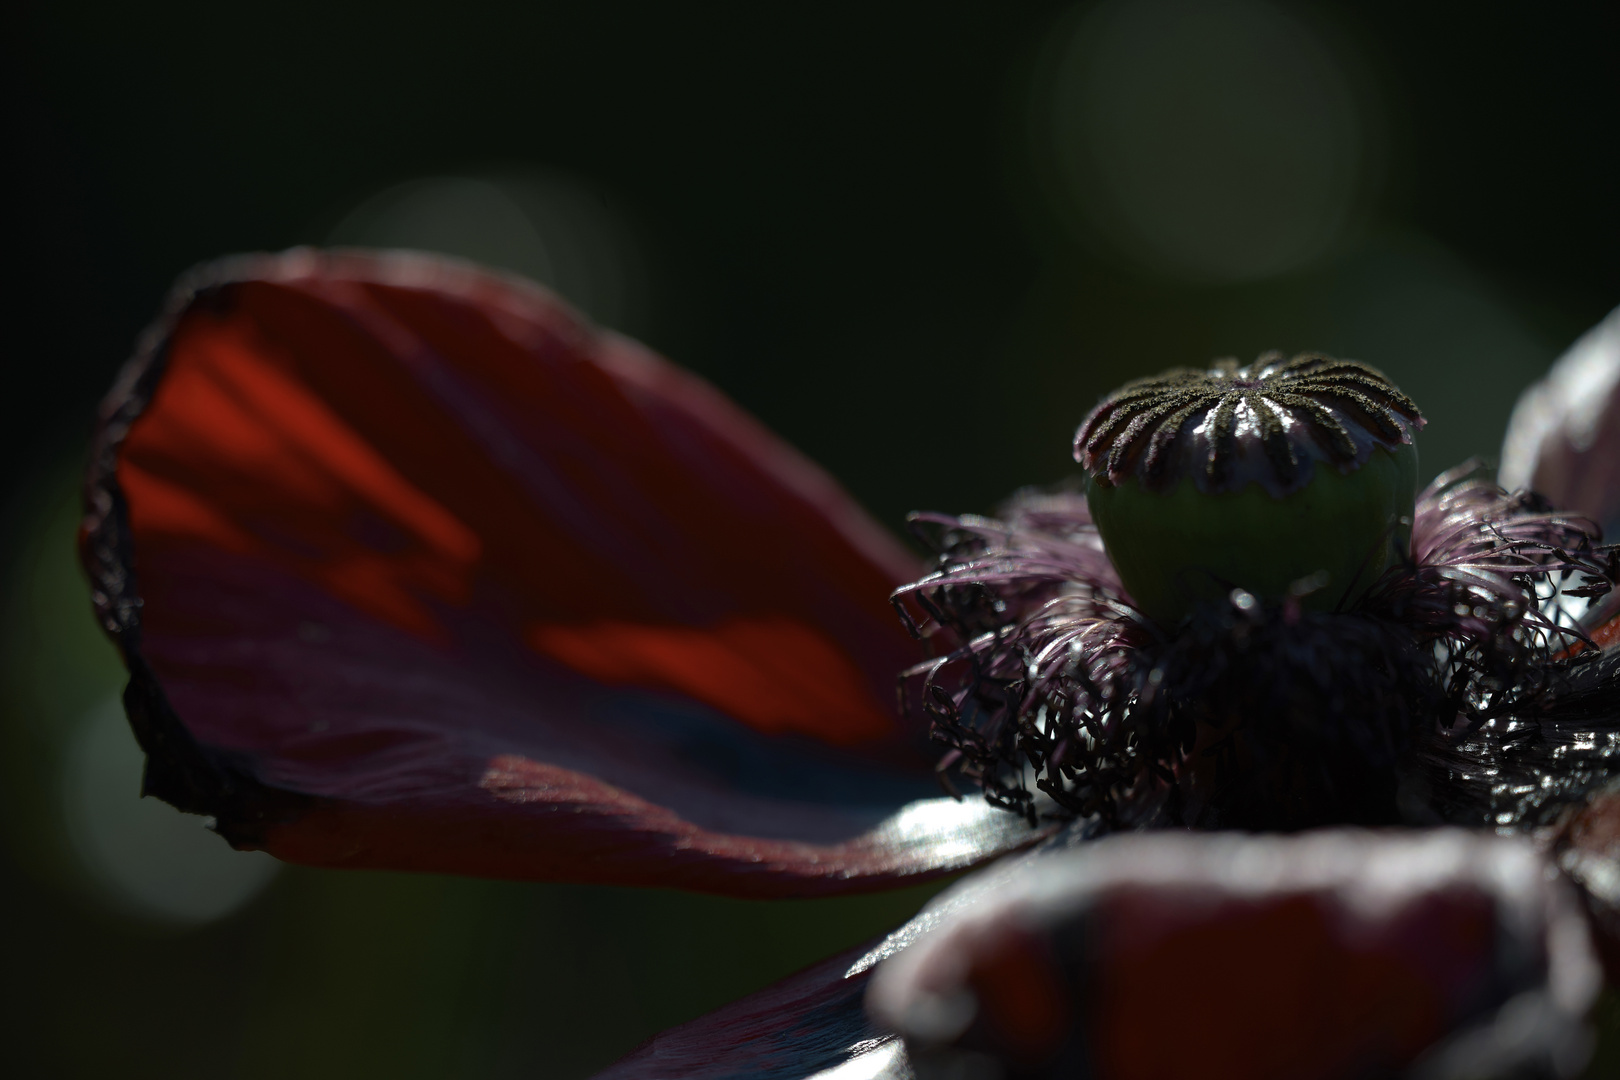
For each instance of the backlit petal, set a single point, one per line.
(413, 568)
(1564, 437)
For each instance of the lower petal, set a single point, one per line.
(1319, 955)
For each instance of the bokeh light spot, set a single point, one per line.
(153, 860)
(554, 229)
(1207, 141)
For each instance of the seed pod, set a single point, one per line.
(1283, 477)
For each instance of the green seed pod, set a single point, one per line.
(1285, 477)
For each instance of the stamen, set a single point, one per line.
(1457, 689)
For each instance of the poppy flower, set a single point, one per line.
(413, 569)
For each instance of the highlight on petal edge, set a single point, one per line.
(412, 568)
(1564, 437)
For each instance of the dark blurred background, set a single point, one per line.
(919, 240)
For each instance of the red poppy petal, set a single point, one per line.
(1320, 955)
(414, 569)
(1564, 437)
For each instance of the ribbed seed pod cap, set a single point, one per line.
(1282, 475)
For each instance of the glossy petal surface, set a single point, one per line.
(414, 569)
(1564, 437)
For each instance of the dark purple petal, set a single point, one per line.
(804, 1026)
(1564, 438)
(1318, 955)
(414, 569)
